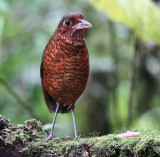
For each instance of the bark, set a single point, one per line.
(29, 141)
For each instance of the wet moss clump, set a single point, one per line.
(28, 140)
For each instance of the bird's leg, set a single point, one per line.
(74, 123)
(54, 120)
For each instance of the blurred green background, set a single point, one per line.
(123, 90)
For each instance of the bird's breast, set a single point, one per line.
(66, 72)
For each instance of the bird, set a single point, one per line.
(64, 66)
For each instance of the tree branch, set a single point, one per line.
(21, 101)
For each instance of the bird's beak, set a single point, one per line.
(83, 24)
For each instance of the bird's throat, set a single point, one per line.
(74, 38)
(78, 38)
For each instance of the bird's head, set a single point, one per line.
(73, 22)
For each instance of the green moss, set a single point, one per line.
(23, 150)
(20, 125)
(30, 138)
(34, 125)
(7, 130)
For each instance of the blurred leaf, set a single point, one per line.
(1, 27)
(3, 6)
(150, 119)
(142, 16)
(2, 20)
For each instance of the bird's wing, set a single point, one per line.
(51, 103)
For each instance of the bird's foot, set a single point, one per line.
(76, 137)
(51, 137)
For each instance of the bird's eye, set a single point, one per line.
(67, 22)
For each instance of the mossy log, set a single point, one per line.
(29, 141)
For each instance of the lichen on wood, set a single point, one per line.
(28, 140)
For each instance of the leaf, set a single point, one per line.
(3, 6)
(2, 20)
(1, 26)
(142, 16)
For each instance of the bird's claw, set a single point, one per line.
(49, 138)
(77, 137)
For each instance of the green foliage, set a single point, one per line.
(142, 16)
